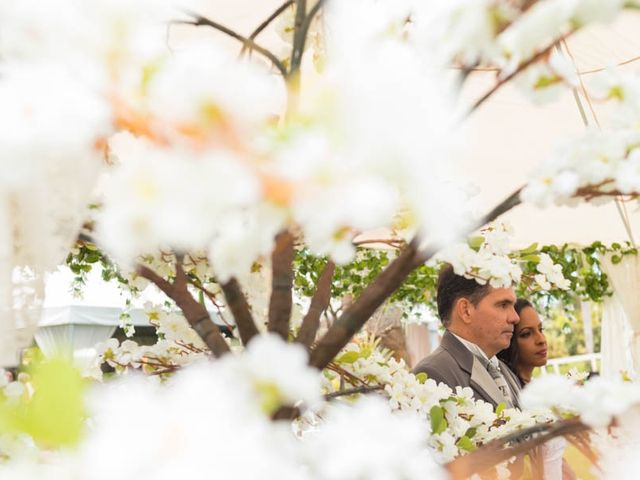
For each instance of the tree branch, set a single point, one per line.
(265, 24)
(281, 285)
(195, 313)
(382, 287)
(302, 25)
(200, 21)
(298, 40)
(353, 391)
(509, 77)
(352, 320)
(319, 303)
(495, 452)
(507, 204)
(240, 309)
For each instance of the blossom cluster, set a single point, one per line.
(178, 345)
(219, 412)
(597, 165)
(598, 401)
(488, 258)
(454, 422)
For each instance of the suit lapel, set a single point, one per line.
(483, 381)
(480, 380)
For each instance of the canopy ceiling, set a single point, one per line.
(508, 136)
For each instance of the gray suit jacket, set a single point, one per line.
(452, 363)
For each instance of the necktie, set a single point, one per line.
(497, 376)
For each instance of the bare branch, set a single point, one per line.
(353, 391)
(507, 204)
(354, 317)
(240, 309)
(195, 313)
(495, 452)
(302, 25)
(541, 54)
(246, 47)
(319, 303)
(200, 21)
(281, 284)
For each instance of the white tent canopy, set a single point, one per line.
(70, 324)
(509, 136)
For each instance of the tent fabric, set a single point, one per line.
(89, 315)
(614, 334)
(67, 339)
(625, 280)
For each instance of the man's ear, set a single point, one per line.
(463, 308)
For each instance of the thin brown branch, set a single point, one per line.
(354, 317)
(304, 32)
(195, 313)
(298, 39)
(349, 377)
(265, 24)
(319, 303)
(212, 298)
(240, 309)
(507, 204)
(495, 452)
(281, 285)
(200, 21)
(353, 391)
(523, 66)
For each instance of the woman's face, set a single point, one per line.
(532, 344)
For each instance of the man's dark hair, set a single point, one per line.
(451, 287)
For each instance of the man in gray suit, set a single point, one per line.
(479, 322)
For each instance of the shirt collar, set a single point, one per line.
(476, 350)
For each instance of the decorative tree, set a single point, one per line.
(218, 163)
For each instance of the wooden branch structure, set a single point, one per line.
(523, 66)
(237, 303)
(353, 391)
(195, 313)
(247, 47)
(497, 452)
(200, 21)
(353, 319)
(319, 303)
(281, 285)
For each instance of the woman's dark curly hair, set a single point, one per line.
(510, 354)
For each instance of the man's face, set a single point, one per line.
(493, 319)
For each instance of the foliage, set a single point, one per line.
(580, 265)
(51, 409)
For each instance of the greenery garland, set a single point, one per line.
(580, 265)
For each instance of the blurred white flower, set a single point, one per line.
(380, 445)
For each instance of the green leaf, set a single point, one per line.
(54, 416)
(475, 242)
(464, 443)
(615, 259)
(422, 377)
(93, 257)
(348, 357)
(500, 408)
(471, 432)
(531, 258)
(530, 249)
(438, 422)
